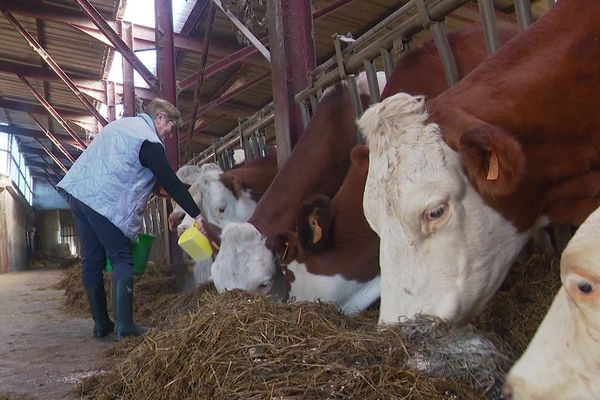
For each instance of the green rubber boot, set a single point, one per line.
(97, 301)
(122, 296)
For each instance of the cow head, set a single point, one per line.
(563, 359)
(224, 199)
(443, 250)
(244, 247)
(189, 175)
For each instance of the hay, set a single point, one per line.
(518, 308)
(241, 345)
(158, 281)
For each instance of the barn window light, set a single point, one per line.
(140, 12)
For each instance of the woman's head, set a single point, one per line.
(165, 116)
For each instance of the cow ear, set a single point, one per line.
(314, 224)
(360, 156)
(285, 247)
(233, 183)
(493, 160)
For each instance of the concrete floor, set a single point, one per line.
(43, 351)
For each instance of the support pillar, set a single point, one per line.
(292, 60)
(128, 87)
(165, 70)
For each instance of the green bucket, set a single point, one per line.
(139, 252)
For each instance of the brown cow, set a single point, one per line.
(335, 255)
(513, 146)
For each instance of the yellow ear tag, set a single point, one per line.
(492, 174)
(317, 232)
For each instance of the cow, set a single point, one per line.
(222, 197)
(334, 254)
(455, 188)
(227, 196)
(563, 359)
(317, 165)
(190, 174)
(305, 260)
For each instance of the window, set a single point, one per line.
(12, 163)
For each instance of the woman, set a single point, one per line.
(108, 187)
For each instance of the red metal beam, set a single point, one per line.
(231, 94)
(293, 58)
(192, 22)
(114, 38)
(88, 84)
(110, 101)
(220, 65)
(246, 52)
(28, 107)
(53, 112)
(194, 18)
(128, 88)
(329, 9)
(52, 138)
(165, 67)
(53, 157)
(210, 18)
(143, 36)
(55, 67)
(36, 134)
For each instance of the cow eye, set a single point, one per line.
(221, 210)
(436, 213)
(585, 287)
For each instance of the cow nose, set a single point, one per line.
(507, 391)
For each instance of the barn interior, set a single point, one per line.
(244, 74)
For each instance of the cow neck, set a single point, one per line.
(317, 164)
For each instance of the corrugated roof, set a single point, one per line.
(70, 38)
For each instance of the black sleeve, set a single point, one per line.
(153, 157)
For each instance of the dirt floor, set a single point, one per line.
(44, 352)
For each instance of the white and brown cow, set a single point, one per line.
(334, 256)
(343, 265)
(317, 165)
(563, 359)
(189, 175)
(225, 197)
(455, 188)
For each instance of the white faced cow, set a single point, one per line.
(230, 196)
(563, 360)
(455, 189)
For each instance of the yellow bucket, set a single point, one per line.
(193, 242)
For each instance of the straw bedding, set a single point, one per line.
(240, 345)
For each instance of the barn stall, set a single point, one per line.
(234, 102)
